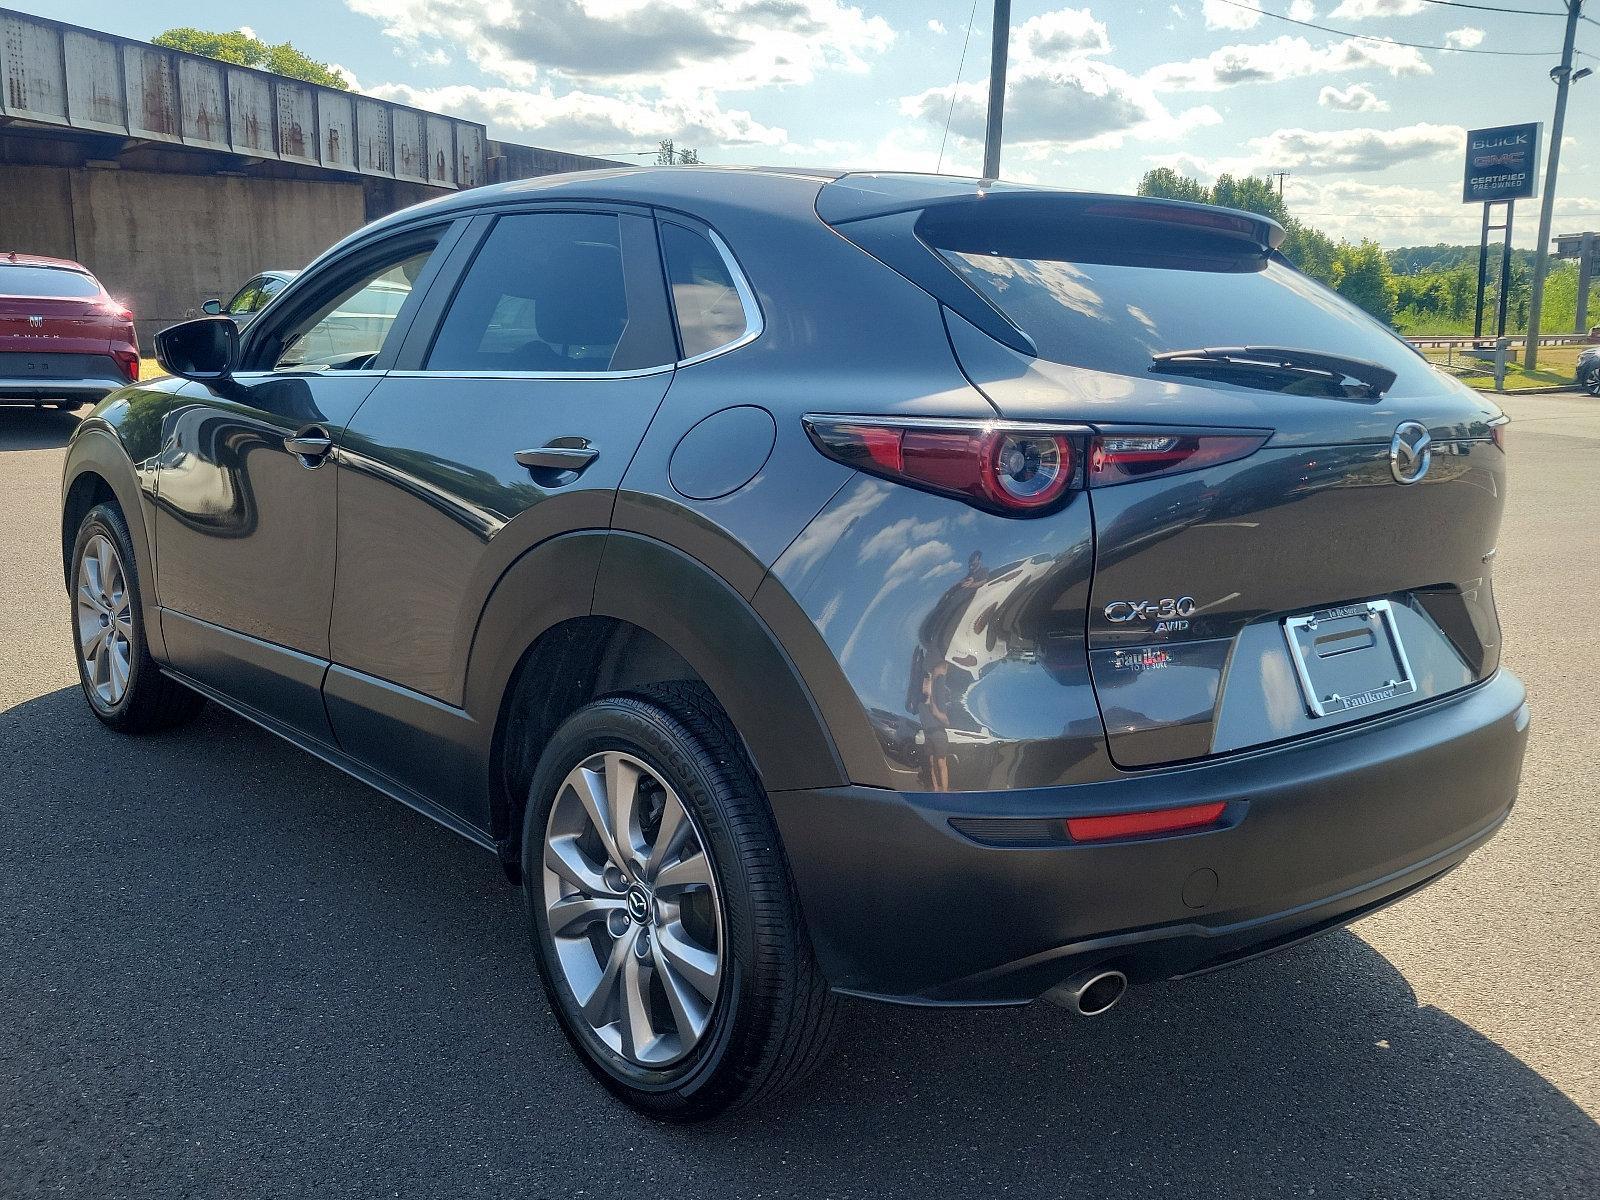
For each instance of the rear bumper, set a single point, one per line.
(976, 898)
(28, 389)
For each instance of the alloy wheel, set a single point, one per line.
(632, 909)
(105, 620)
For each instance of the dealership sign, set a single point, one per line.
(1502, 164)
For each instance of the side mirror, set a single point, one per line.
(205, 349)
(212, 308)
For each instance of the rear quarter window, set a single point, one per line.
(705, 295)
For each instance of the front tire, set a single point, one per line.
(1591, 383)
(122, 683)
(668, 934)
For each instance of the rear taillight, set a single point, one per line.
(1012, 468)
(998, 467)
(1123, 457)
(128, 361)
(1497, 434)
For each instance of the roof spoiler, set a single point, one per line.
(858, 197)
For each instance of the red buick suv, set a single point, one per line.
(63, 339)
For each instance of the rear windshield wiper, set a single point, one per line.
(1333, 369)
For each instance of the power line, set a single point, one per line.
(955, 89)
(1367, 37)
(1495, 8)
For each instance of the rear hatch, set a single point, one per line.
(57, 323)
(1330, 567)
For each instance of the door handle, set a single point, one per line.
(310, 446)
(573, 456)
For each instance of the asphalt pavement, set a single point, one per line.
(228, 970)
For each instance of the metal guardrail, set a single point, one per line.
(62, 75)
(1467, 341)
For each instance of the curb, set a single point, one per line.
(1564, 389)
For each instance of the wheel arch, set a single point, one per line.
(546, 645)
(97, 471)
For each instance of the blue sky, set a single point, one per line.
(1372, 132)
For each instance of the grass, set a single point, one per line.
(1558, 366)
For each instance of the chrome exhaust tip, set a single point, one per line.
(1089, 993)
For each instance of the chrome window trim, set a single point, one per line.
(754, 324)
(637, 373)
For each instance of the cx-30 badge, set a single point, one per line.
(1169, 613)
(1410, 452)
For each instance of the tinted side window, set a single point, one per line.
(710, 313)
(545, 292)
(247, 300)
(348, 330)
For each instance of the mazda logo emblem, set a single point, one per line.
(638, 904)
(1411, 452)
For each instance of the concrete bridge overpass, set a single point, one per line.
(175, 177)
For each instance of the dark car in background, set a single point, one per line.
(907, 587)
(251, 298)
(63, 339)
(1589, 370)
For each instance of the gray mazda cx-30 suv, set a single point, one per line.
(896, 586)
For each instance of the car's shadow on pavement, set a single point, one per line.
(225, 969)
(35, 428)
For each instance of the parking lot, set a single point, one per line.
(228, 970)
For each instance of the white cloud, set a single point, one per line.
(1059, 95)
(1360, 10)
(673, 45)
(1303, 10)
(937, 26)
(1284, 58)
(247, 31)
(1318, 152)
(1356, 150)
(1177, 11)
(584, 122)
(349, 76)
(1358, 97)
(1407, 214)
(1063, 34)
(1219, 14)
(1464, 38)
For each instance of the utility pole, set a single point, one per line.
(1541, 262)
(1000, 46)
(1280, 176)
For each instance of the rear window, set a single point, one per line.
(46, 281)
(1109, 304)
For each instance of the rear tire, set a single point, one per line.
(1591, 383)
(718, 1002)
(122, 683)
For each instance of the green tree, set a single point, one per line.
(1313, 251)
(1362, 276)
(1250, 194)
(1167, 184)
(246, 51)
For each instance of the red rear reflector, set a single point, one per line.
(1139, 824)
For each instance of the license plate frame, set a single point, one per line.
(1348, 657)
